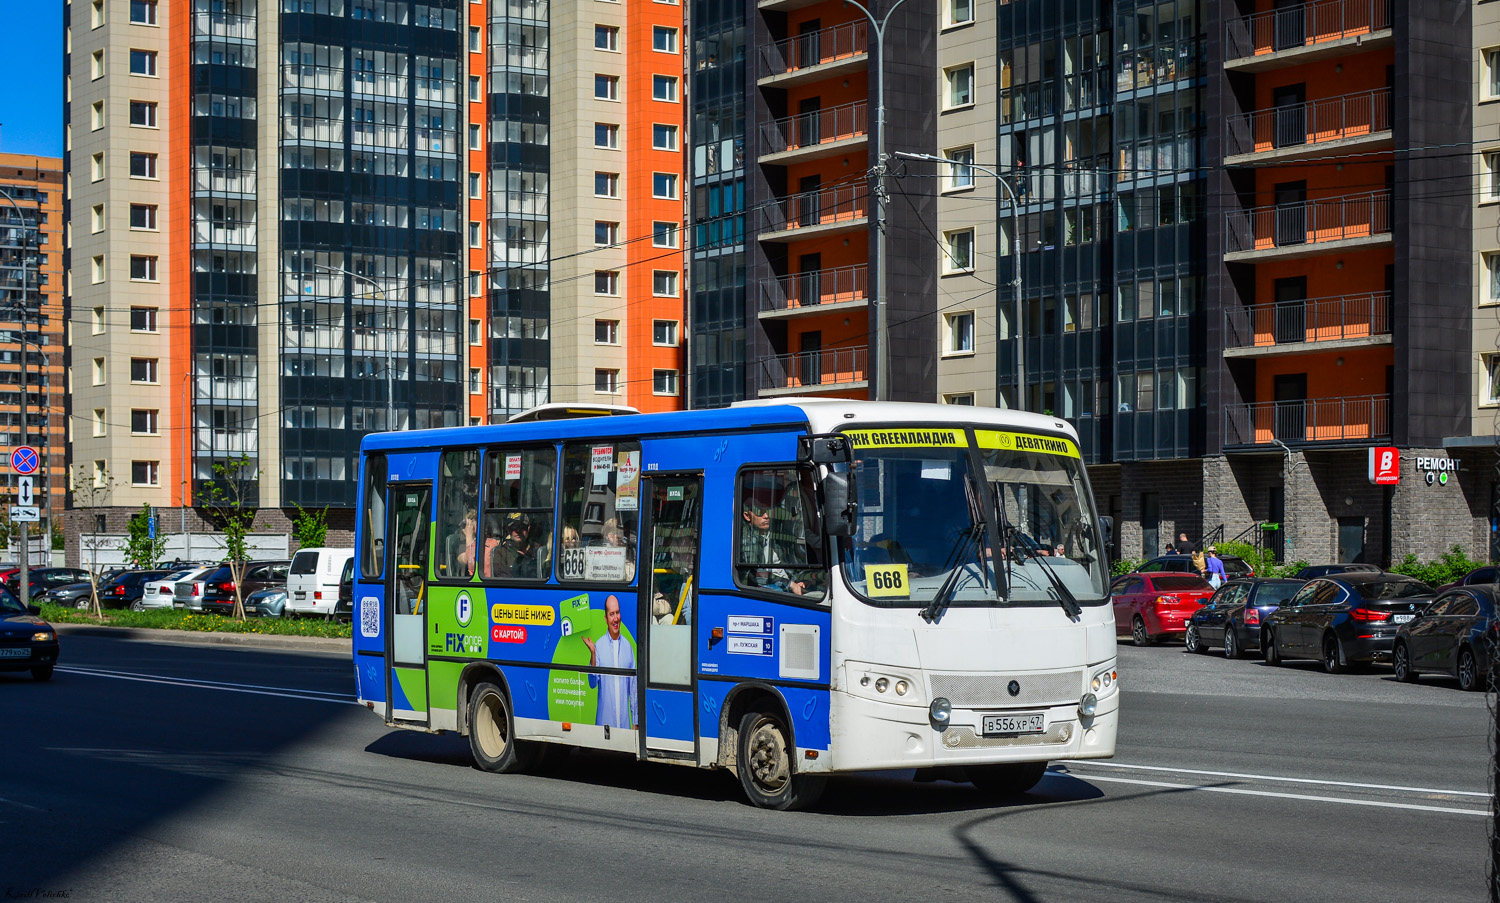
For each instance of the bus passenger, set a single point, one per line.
(513, 556)
(570, 538)
(759, 546)
(463, 548)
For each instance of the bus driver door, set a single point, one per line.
(667, 610)
(410, 532)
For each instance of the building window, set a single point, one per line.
(98, 268)
(96, 115)
(98, 371)
(664, 185)
(606, 282)
(958, 256)
(606, 135)
(960, 398)
(143, 216)
(1491, 261)
(606, 380)
(96, 64)
(664, 137)
(1492, 379)
(664, 332)
(476, 283)
(606, 234)
(476, 332)
(606, 37)
(98, 168)
(143, 422)
(476, 188)
(664, 283)
(663, 39)
(664, 235)
(98, 321)
(142, 166)
(143, 113)
(960, 174)
(606, 332)
(475, 240)
(98, 218)
(663, 87)
(143, 369)
(959, 84)
(145, 473)
(1492, 73)
(475, 44)
(606, 185)
(475, 91)
(1491, 189)
(607, 87)
(143, 12)
(476, 383)
(97, 18)
(959, 12)
(142, 268)
(474, 137)
(99, 424)
(101, 476)
(960, 338)
(664, 382)
(143, 62)
(143, 319)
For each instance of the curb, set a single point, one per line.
(206, 638)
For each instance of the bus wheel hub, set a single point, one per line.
(768, 761)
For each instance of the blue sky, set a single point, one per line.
(31, 71)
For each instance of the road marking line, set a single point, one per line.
(1287, 796)
(1272, 777)
(230, 688)
(199, 680)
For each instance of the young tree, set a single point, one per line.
(227, 500)
(91, 491)
(310, 528)
(141, 548)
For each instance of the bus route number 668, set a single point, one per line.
(886, 580)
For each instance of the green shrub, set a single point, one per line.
(1263, 561)
(1124, 565)
(1454, 564)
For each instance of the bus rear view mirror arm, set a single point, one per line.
(827, 449)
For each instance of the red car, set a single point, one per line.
(1151, 606)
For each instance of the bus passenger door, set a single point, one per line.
(410, 532)
(668, 610)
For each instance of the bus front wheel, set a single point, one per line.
(764, 763)
(492, 736)
(1011, 779)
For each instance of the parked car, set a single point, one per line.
(1455, 635)
(1343, 620)
(1231, 619)
(1151, 606)
(1480, 575)
(344, 610)
(125, 589)
(70, 595)
(42, 581)
(218, 595)
(27, 643)
(312, 583)
(1314, 571)
(188, 592)
(1234, 566)
(266, 603)
(160, 593)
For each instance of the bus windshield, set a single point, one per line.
(921, 517)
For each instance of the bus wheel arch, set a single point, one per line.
(472, 676)
(743, 699)
(756, 736)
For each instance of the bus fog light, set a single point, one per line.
(881, 684)
(901, 688)
(864, 681)
(940, 711)
(1088, 705)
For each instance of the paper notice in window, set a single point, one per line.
(628, 483)
(603, 463)
(513, 467)
(605, 563)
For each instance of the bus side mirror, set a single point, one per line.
(838, 504)
(826, 450)
(1107, 524)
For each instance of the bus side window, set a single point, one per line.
(458, 515)
(778, 546)
(518, 507)
(372, 549)
(600, 510)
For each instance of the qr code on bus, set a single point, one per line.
(369, 616)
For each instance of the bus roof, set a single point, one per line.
(814, 414)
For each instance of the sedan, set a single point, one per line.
(266, 603)
(42, 581)
(1348, 619)
(72, 595)
(1456, 635)
(1313, 571)
(188, 593)
(27, 643)
(161, 593)
(127, 588)
(1488, 574)
(1151, 606)
(1232, 618)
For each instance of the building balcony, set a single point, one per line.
(815, 134)
(826, 211)
(223, 25)
(1300, 33)
(834, 51)
(1304, 228)
(1299, 131)
(1333, 421)
(818, 291)
(813, 372)
(1290, 327)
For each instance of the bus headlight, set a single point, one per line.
(940, 712)
(1103, 681)
(1088, 705)
(901, 688)
(880, 684)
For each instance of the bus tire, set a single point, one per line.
(765, 766)
(1010, 779)
(492, 734)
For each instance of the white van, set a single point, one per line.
(312, 584)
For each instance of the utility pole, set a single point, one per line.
(25, 282)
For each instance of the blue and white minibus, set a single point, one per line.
(789, 590)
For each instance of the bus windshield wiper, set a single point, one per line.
(958, 558)
(1019, 543)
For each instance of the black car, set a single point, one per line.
(1343, 620)
(27, 643)
(43, 580)
(1235, 568)
(1456, 635)
(343, 609)
(1231, 619)
(218, 590)
(124, 588)
(1314, 571)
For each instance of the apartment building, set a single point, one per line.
(296, 223)
(31, 280)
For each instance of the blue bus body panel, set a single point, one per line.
(669, 714)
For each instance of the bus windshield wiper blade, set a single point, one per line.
(1016, 541)
(957, 559)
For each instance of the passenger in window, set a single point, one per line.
(760, 546)
(514, 556)
(570, 538)
(463, 551)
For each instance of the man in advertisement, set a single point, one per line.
(616, 704)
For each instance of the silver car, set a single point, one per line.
(188, 591)
(161, 593)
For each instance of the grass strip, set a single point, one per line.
(180, 619)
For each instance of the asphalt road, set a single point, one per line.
(166, 772)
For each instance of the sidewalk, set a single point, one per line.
(200, 638)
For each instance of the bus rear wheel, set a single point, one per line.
(1011, 779)
(492, 736)
(764, 763)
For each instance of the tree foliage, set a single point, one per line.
(143, 550)
(310, 528)
(226, 498)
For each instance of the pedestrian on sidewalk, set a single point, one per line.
(1216, 574)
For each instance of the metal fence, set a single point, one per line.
(812, 369)
(827, 45)
(1308, 421)
(1314, 122)
(833, 285)
(1303, 25)
(815, 127)
(1308, 320)
(1308, 222)
(825, 206)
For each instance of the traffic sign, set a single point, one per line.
(24, 460)
(25, 514)
(24, 493)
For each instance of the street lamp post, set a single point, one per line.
(390, 364)
(1015, 232)
(25, 284)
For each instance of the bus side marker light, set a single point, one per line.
(567, 725)
(810, 754)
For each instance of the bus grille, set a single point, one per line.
(989, 691)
